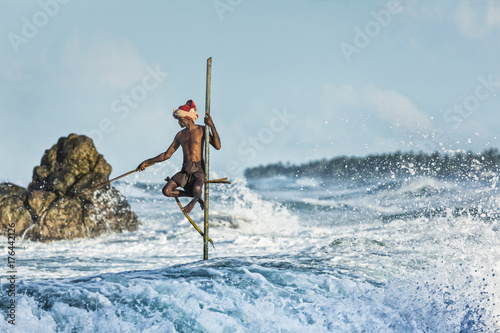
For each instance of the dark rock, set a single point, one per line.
(13, 213)
(100, 216)
(9, 189)
(39, 201)
(46, 209)
(68, 161)
(61, 221)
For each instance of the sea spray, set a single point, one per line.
(396, 254)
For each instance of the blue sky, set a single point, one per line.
(291, 80)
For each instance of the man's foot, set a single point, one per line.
(189, 207)
(202, 203)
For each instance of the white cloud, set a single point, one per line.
(395, 109)
(493, 16)
(102, 59)
(478, 18)
(387, 106)
(353, 120)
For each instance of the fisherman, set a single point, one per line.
(192, 175)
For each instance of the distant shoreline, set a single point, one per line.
(467, 164)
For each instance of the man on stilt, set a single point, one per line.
(192, 175)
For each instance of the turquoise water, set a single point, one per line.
(417, 254)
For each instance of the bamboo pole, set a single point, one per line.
(218, 181)
(207, 157)
(192, 222)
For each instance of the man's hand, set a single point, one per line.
(143, 166)
(208, 120)
(214, 137)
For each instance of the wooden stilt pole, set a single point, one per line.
(192, 222)
(207, 156)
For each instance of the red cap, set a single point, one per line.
(188, 106)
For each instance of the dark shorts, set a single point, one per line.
(189, 173)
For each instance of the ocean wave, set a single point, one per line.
(237, 295)
(465, 165)
(394, 254)
(248, 211)
(426, 186)
(271, 294)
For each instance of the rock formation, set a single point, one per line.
(46, 209)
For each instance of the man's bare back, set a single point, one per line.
(192, 176)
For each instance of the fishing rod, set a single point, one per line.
(104, 184)
(61, 200)
(223, 180)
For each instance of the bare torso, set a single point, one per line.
(191, 142)
(191, 139)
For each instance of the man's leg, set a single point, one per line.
(197, 190)
(170, 190)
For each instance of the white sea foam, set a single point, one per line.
(425, 186)
(362, 257)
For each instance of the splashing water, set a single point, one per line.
(415, 254)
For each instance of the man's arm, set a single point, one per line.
(163, 156)
(214, 136)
